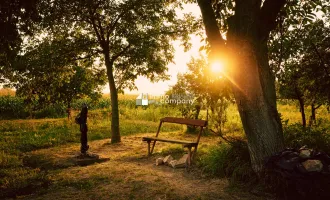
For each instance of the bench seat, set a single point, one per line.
(185, 143)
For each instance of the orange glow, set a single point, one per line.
(222, 69)
(217, 67)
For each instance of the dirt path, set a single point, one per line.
(124, 172)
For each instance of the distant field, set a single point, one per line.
(291, 113)
(6, 91)
(122, 96)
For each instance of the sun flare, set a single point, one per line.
(217, 67)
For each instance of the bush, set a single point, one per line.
(229, 160)
(317, 137)
(53, 111)
(12, 107)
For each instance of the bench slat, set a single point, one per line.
(193, 122)
(168, 140)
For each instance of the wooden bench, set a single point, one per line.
(188, 144)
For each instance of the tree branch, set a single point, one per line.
(113, 25)
(100, 28)
(268, 14)
(113, 58)
(92, 21)
(320, 57)
(211, 27)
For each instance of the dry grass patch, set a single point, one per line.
(129, 174)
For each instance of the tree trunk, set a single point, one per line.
(252, 81)
(302, 111)
(68, 110)
(254, 95)
(254, 90)
(115, 134)
(313, 115)
(197, 111)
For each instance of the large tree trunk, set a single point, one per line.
(253, 94)
(254, 84)
(115, 134)
(251, 77)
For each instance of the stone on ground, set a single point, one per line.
(305, 153)
(167, 159)
(159, 161)
(173, 163)
(182, 162)
(313, 165)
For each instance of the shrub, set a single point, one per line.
(52, 111)
(229, 160)
(12, 107)
(317, 137)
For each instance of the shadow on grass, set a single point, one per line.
(48, 163)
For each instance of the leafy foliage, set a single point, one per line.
(305, 72)
(317, 137)
(132, 38)
(131, 33)
(51, 73)
(210, 89)
(12, 107)
(17, 19)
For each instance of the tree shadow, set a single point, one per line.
(44, 162)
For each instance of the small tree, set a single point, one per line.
(305, 75)
(211, 90)
(132, 38)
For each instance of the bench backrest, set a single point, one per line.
(192, 122)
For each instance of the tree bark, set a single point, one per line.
(68, 110)
(302, 111)
(253, 94)
(253, 84)
(313, 115)
(115, 134)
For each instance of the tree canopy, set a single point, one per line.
(132, 38)
(17, 19)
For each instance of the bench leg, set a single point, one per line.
(189, 156)
(149, 147)
(153, 146)
(193, 152)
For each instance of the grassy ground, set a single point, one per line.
(37, 158)
(124, 172)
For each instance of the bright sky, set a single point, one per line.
(181, 58)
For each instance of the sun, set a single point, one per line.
(217, 67)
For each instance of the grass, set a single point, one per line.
(17, 137)
(20, 136)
